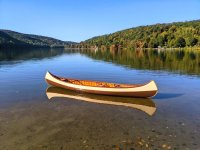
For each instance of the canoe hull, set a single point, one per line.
(147, 90)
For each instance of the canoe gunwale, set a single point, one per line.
(116, 85)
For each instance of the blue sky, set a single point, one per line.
(78, 20)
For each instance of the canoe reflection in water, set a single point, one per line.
(144, 104)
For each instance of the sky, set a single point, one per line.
(78, 20)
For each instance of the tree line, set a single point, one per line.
(171, 35)
(12, 39)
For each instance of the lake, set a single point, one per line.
(29, 120)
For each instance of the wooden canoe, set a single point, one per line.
(134, 90)
(143, 104)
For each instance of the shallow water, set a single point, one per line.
(29, 120)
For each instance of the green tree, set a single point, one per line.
(192, 41)
(180, 42)
(161, 40)
(153, 43)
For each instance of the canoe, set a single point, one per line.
(143, 104)
(96, 87)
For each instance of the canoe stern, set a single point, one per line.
(151, 86)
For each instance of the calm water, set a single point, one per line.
(29, 120)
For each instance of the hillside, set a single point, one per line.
(15, 39)
(171, 35)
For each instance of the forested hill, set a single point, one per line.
(15, 39)
(171, 35)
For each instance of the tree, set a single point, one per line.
(192, 41)
(161, 40)
(153, 43)
(180, 42)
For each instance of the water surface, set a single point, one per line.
(29, 120)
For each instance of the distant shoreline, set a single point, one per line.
(96, 49)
